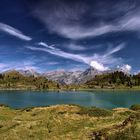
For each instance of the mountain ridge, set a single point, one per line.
(67, 77)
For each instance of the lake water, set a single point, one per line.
(103, 99)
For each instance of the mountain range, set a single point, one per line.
(67, 77)
(76, 77)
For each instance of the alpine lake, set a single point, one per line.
(101, 99)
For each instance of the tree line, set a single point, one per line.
(14, 79)
(114, 79)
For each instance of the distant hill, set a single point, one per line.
(13, 79)
(114, 79)
(90, 78)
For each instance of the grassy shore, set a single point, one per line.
(69, 122)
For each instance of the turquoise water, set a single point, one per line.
(106, 99)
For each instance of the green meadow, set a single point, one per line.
(69, 122)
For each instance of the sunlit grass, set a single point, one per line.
(64, 122)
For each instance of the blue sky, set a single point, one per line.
(47, 35)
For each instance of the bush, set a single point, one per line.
(27, 109)
(131, 133)
(135, 107)
(3, 105)
(95, 112)
(126, 113)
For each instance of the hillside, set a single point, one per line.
(73, 77)
(63, 77)
(78, 77)
(89, 79)
(15, 80)
(117, 79)
(69, 122)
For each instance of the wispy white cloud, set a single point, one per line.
(103, 62)
(80, 32)
(125, 68)
(114, 50)
(97, 61)
(2, 66)
(98, 66)
(14, 32)
(22, 65)
(68, 21)
(52, 63)
(28, 65)
(46, 45)
(60, 53)
(71, 46)
(75, 47)
(137, 72)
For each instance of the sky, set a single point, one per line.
(47, 35)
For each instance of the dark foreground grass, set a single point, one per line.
(69, 122)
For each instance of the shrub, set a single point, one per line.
(3, 105)
(135, 107)
(27, 109)
(131, 133)
(95, 112)
(126, 113)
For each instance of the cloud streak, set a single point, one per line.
(55, 51)
(22, 65)
(75, 47)
(14, 32)
(97, 61)
(2, 66)
(70, 22)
